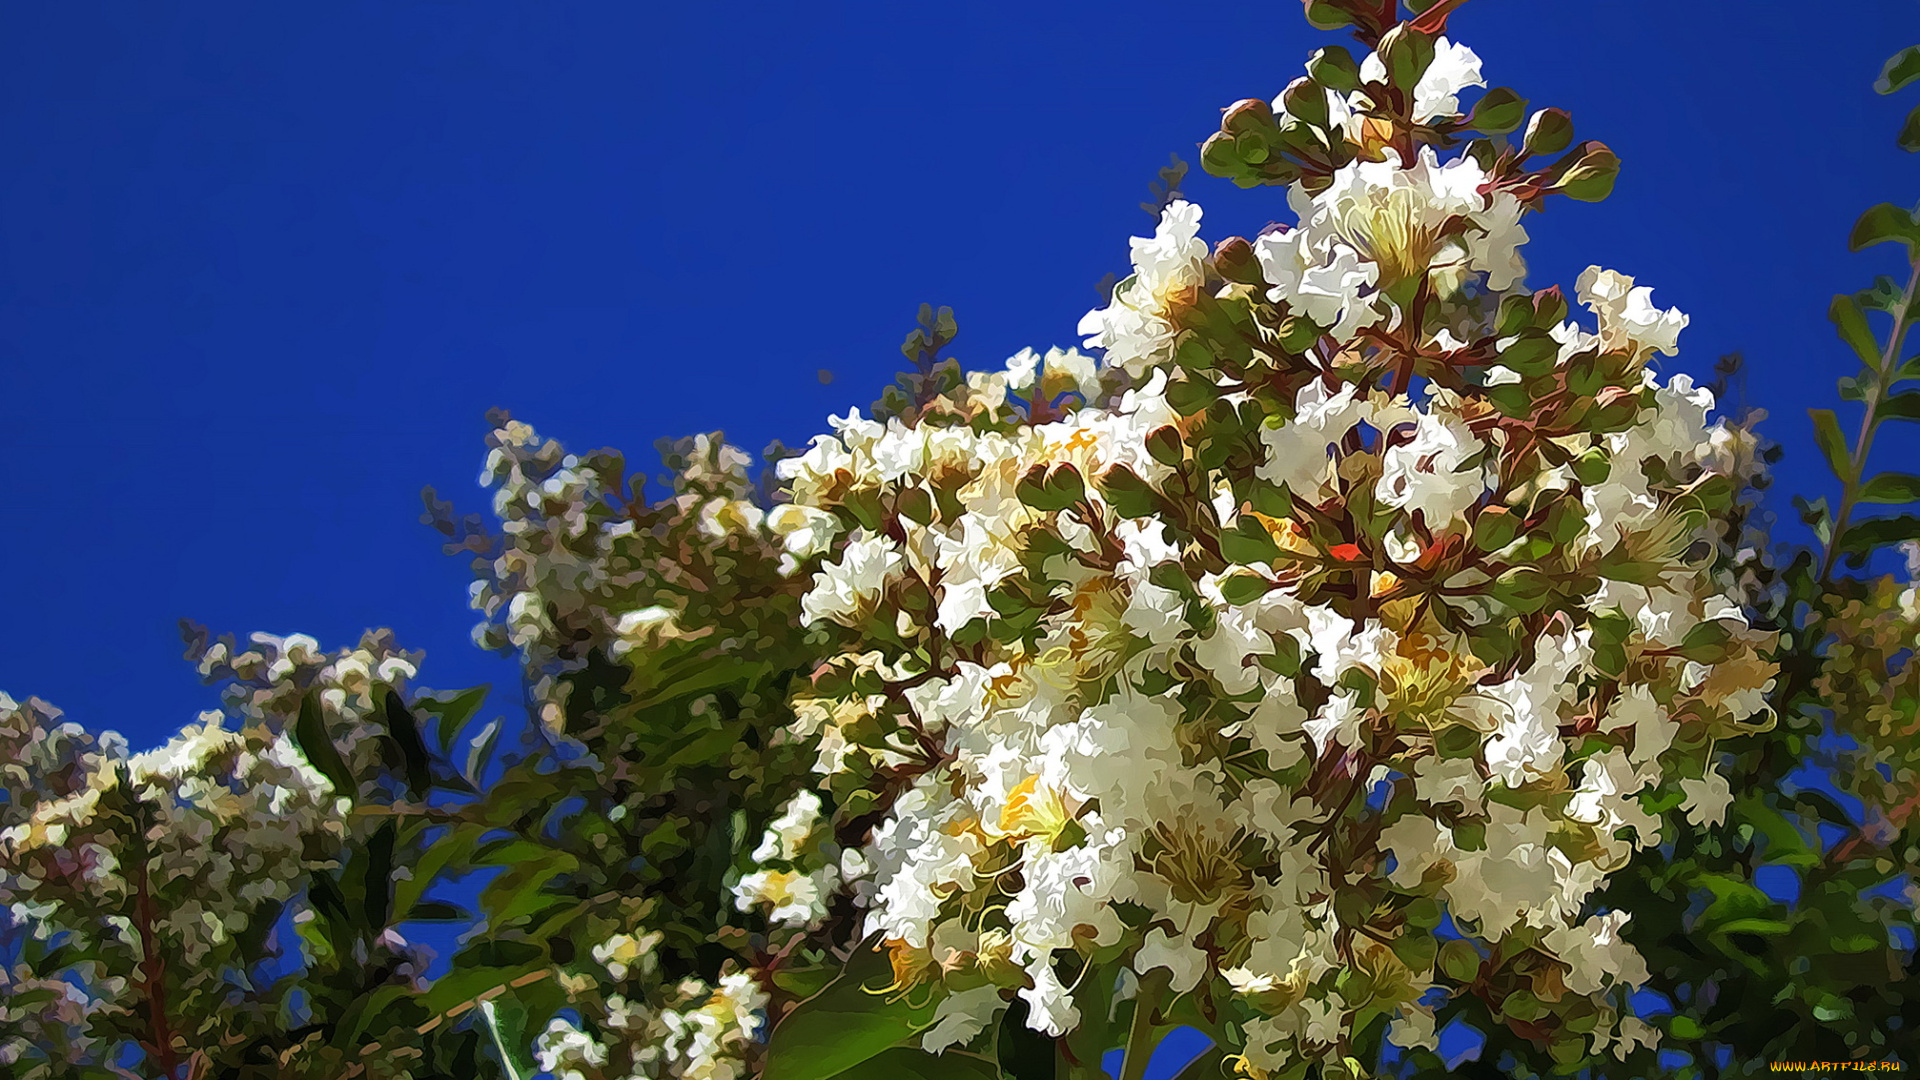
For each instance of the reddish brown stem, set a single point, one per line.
(153, 977)
(1434, 19)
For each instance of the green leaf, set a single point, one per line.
(1902, 68)
(480, 751)
(311, 735)
(365, 1010)
(1023, 1053)
(437, 911)
(804, 982)
(1891, 488)
(1883, 224)
(1248, 542)
(1832, 443)
(1685, 1027)
(912, 1063)
(405, 729)
(1762, 927)
(518, 889)
(1864, 536)
(844, 1025)
(1851, 323)
(452, 712)
(1734, 899)
(1534, 353)
(507, 1019)
(376, 884)
(1909, 137)
(1904, 405)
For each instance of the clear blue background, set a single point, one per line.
(265, 266)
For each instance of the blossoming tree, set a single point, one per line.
(1353, 641)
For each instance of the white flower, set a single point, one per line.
(1183, 960)
(1338, 722)
(962, 1015)
(1426, 476)
(1454, 68)
(1050, 1003)
(788, 832)
(1322, 281)
(848, 588)
(562, 1048)
(1412, 1027)
(804, 530)
(1707, 799)
(1597, 954)
(1628, 319)
(1132, 327)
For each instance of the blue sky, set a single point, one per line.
(265, 267)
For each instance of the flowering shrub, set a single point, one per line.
(1351, 642)
(1241, 673)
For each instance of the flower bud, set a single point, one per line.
(1235, 261)
(1306, 100)
(1250, 114)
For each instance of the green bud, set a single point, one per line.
(1522, 588)
(1565, 521)
(1306, 100)
(1326, 15)
(1064, 484)
(1459, 961)
(1165, 447)
(1334, 68)
(1549, 132)
(916, 504)
(1406, 53)
(1218, 156)
(1498, 112)
(1248, 114)
(1494, 528)
(1298, 333)
(1533, 354)
(1470, 836)
(1592, 467)
(1243, 587)
(1251, 146)
(1516, 314)
(1549, 307)
(1522, 1006)
(1127, 492)
(1235, 260)
(1587, 174)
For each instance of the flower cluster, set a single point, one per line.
(1260, 662)
(161, 873)
(705, 1033)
